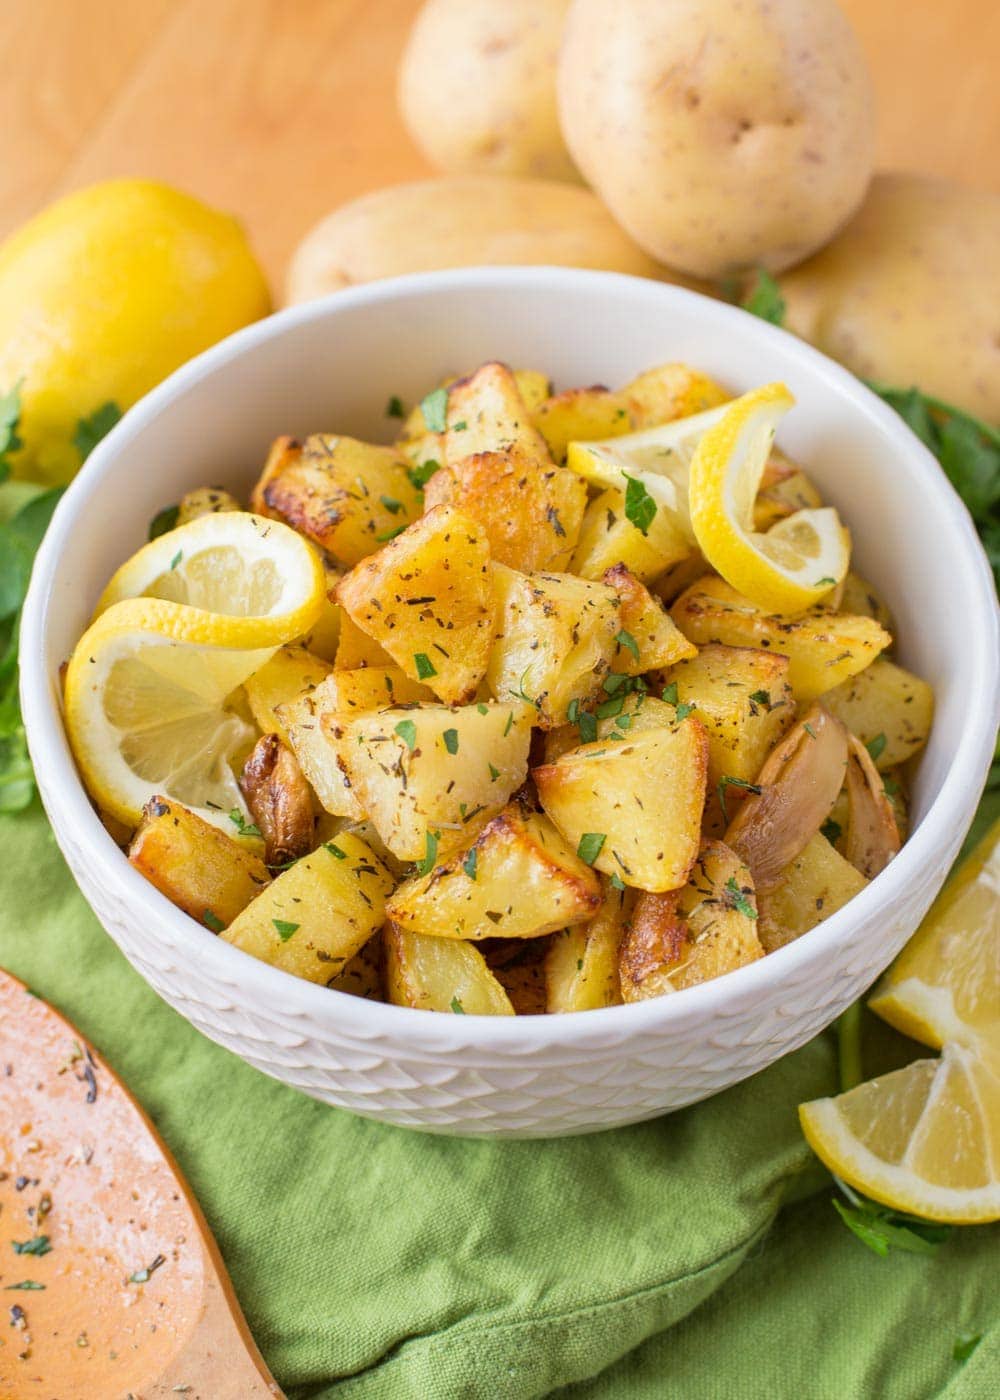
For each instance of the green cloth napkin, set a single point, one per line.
(378, 1264)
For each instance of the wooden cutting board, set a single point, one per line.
(111, 1284)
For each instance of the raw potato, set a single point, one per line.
(823, 649)
(316, 915)
(720, 134)
(885, 703)
(462, 221)
(209, 875)
(519, 879)
(908, 292)
(429, 586)
(643, 795)
(817, 883)
(477, 87)
(581, 964)
(441, 974)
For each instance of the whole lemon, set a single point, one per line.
(105, 292)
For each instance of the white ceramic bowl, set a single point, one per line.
(331, 365)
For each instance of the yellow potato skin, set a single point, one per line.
(477, 87)
(462, 221)
(908, 292)
(105, 292)
(711, 159)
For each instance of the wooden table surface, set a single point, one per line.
(281, 109)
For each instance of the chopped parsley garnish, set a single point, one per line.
(670, 693)
(684, 709)
(820, 581)
(761, 697)
(520, 692)
(831, 830)
(640, 508)
(164, 521)
(494, 772)
(407, 731)
(391, 504)
(334, 850)
(483, 709)
(38, 1244)
(587, 727)
(434, 407)
(421, 474)
(469, 864)
(284, 929)
(809, 730)
(459, 427)
(509, 725)
(390, 534)
(876, 747)
(573, 711)
(625, 639)
(176, 560)
(457, 1007)
(591, 845)
(212, 921)
(425, 667)
(27, 1285)
(450, 737)
(739, 900)
(243, 827)
(425, 866)
(617, 883)
(728, 781)
(143, 1275)
(394, 408)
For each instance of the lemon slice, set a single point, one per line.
(800, 559)
(259, 577)
(149, 710)
(659, 457)
(924, 1140)
(945, 985)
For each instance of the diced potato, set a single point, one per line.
(441, 974)
(581, 964)
(205, 500)
(323, 636)
(369, 688)
(555, 640)
(823, 648)
(860, 597)
(366, 830)
(623, 715)
(608, 537)
(363, 975)
(427, 598)
(684, 937)
(345, 495)
(671, 391)
(356, 649)
(581, 415)
(486, 413)
(291, 672)
(669, 585)
(518, 879)
(888, 708)
(209, 875)
(654, 639)
(529, 509)
(534, 387)
(784, 490)
(431, 776)
(317, 755)
(316, 915)
(817, 883)
(633, 809)
(743, 698)
(518, 964)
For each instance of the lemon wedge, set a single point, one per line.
(263, 583)
(945, 985)
(924, 1140)
(149, 701)
(799, 560)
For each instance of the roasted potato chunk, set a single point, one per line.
(671, 391)
(316, 915)
(369, 688)
(632, 809)
(518, 879)
(291, 673)
(581, 415)
(888, 708)
(427, 598)
(205, 500)
(608, 537)
(317, 754)
(860, 597)
(518, 964)
(817, 883)
(683, 937)
(581, 963)
(355, 649)
(529, 509)
(209, 875)
(823, 648)
(784, 489)
(486, 413)
(279, 799)
(649, 638)
(441, 974)
(323, 637)
(363, 975)
(431, 776)
(555, 640)
(345, 495)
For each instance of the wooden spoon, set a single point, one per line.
(111, 1285)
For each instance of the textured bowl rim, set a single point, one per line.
(950, 811)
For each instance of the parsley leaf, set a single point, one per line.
(670, 693)
(728, 781)
(212, 921)
(390, 534)
(434, 407)
(89, 431)
(450, 737)
(876, 746)
(27, 1285)
(457, 1007)
(334, 850)
(425, 866)
(420, 475)
(738, 899)
(640, 508)
(407, 731)
(587, 727)
(391, 504)
(625, 639)
(469, 864)
(163, 521)
(764, 299)
(284, 929)
(591, 844)
(243, 827)
(761, 697)
(883, 1229)
(684, 709)
(394, 408)
(38, 1244)
(425, 667)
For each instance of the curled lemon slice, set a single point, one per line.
(800, 559)
(150, 708)
(262, 582)
(924, 1140)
